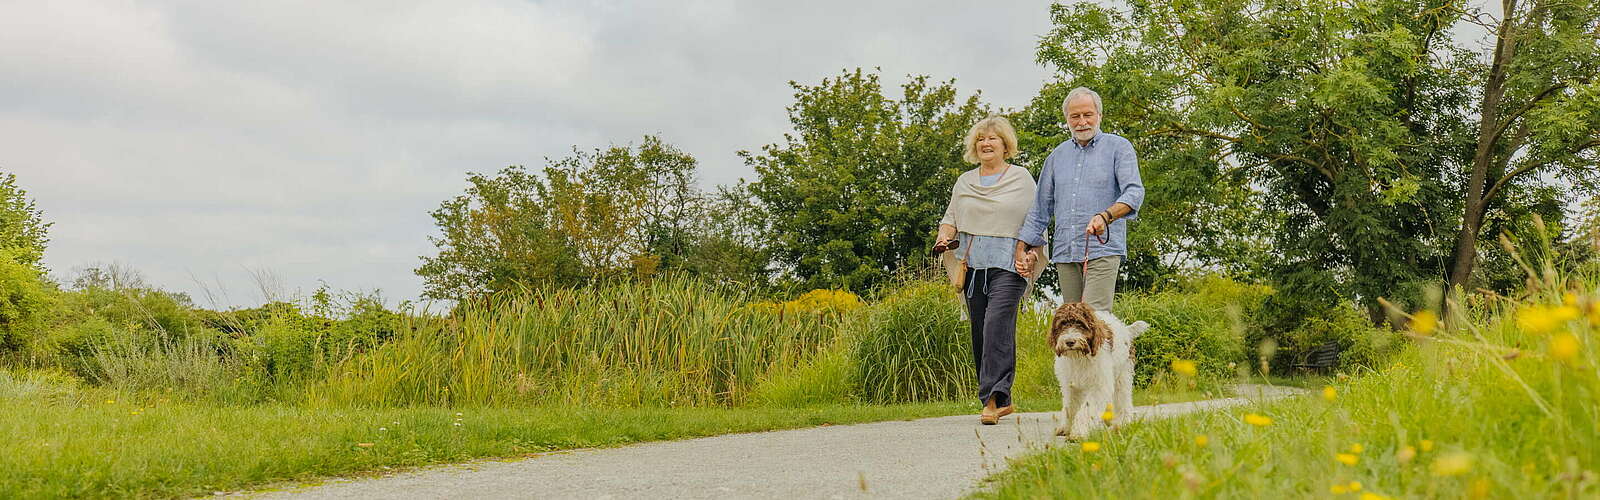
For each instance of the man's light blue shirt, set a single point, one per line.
(1079, 181)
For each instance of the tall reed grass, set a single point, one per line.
(671, 342)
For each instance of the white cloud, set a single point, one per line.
(310, 139)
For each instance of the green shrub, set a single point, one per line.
(25, 302)
(1360, 343)
(915, 347)
(1202, 321)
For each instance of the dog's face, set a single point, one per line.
(1075, 329)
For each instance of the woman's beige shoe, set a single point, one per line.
(1002, 412)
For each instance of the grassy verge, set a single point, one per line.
(1501, 405)
(90, 442)
(151, 449)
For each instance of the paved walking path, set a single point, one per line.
(942, 457)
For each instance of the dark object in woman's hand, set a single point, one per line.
(940, 247)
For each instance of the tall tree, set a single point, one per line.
(496, 236)
(22, 225)
(858, 187)
(1539, 110)
(620, 212)
(1355, 120)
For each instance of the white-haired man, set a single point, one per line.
(1090, 185)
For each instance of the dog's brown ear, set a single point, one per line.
(1099, 333)
(1053, 330)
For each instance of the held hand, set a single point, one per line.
(1097, 226)
(1024, 262)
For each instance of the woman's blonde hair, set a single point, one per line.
(998, 125)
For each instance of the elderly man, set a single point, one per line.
(1091, 185)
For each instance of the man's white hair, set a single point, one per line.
(1079, 92)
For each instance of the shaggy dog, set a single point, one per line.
(1094, 364)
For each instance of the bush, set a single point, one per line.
(1202, 321)
(915, 347)
(25, 301)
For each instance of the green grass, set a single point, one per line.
(73, 444)
(1487, 409)
(99, 443)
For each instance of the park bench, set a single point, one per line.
(1321, 358)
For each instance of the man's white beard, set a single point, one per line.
(1086, 135)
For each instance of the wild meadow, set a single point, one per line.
(134, 392)
(1495, 397)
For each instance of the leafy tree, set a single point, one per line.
(497, 236)
(22, 226)
(615, 213)
(1354, 120)
(1538, 110)
(726, 244)
(856, 190)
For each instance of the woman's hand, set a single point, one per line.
(1024, 260)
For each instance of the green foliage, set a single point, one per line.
(22, 226)
(1494, 408)
(622, 212)
(667, 342)
(1204, 322)
(859, 186)
(1339, 114)
(26, 301)
(915, 347)
(497, 236)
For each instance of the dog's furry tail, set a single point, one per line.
(1137, 328)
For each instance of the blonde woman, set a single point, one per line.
(987, 207)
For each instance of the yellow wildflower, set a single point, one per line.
(1405, 454)
(1355, 486)
(1373, 496)
(1569, 298)
(1183, 367)
(1201, 440)
(1090, 446)
(1565, 313)
(1426, 445)
(1107, 416)
(1329, 393)
(1347, 459)
(1356, 448)
(1338, 489)
(111, 401)
(1453, 464)
(1480, 488)
(1423, 322)
(1257, 420)
(1564, 346)
(1536, 319)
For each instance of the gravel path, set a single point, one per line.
(941, 457)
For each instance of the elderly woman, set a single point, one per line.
(978, 238)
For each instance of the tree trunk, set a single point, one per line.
(1489, 128)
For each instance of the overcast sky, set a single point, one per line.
(201, 143)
